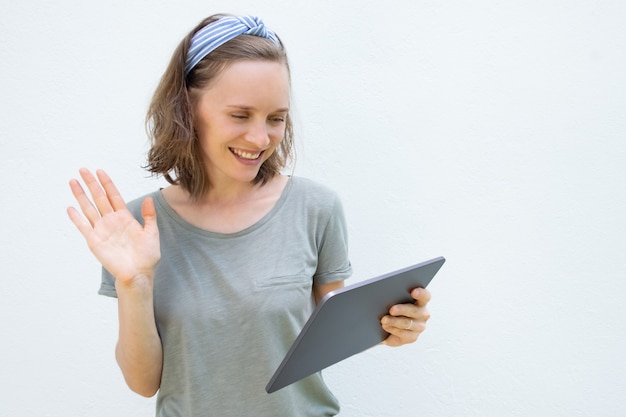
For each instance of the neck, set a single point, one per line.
(231, 192)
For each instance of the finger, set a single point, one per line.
(113, 195)
(421, 296)
(412, 311)
(98, 195)
(88, 209)
(148, 212)
(398, 337)
(401, 337)
(403, 324)
(393, 341)
(409, 310)
(79, 221)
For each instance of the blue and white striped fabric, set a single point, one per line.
(221, 31)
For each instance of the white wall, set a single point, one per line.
(490, 132)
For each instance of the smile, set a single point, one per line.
(246, 155)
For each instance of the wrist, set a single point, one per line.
(140, 282)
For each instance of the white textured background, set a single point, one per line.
(489, 132)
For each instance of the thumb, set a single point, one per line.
(148, 212)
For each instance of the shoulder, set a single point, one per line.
(317, 200)
(304, 187)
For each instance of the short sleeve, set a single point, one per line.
(107, 286)
(333, 261)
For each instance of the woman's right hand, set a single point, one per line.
(128, 250)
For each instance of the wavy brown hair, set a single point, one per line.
(175, 151)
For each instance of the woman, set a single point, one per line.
(216, 274)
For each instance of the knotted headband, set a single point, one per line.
(217, 33)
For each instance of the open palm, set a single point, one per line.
(121, 244)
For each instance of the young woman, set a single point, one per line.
(216, 274)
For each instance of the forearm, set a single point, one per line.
(139, 352)
(320, 290)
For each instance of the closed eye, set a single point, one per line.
(278, 117)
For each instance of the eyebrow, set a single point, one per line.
(243, 107)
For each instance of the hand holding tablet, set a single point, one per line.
(348, 321)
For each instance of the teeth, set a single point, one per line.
(245, 155)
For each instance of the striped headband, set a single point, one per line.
(217, 33)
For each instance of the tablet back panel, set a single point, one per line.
(347, 321)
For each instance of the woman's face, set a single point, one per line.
(240, 119)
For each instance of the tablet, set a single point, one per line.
(347, 321)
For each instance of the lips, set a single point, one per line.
(245, 154)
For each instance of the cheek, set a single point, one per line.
(276, 137)
(215, 132)
(277, 134)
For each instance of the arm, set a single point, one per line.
(130, 252)
(319, 291)
(138, 352)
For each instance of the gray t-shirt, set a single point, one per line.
(229, 306)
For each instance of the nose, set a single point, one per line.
(258, 135)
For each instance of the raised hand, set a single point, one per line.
(123, 246)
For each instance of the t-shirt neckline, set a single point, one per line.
(169, 211)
